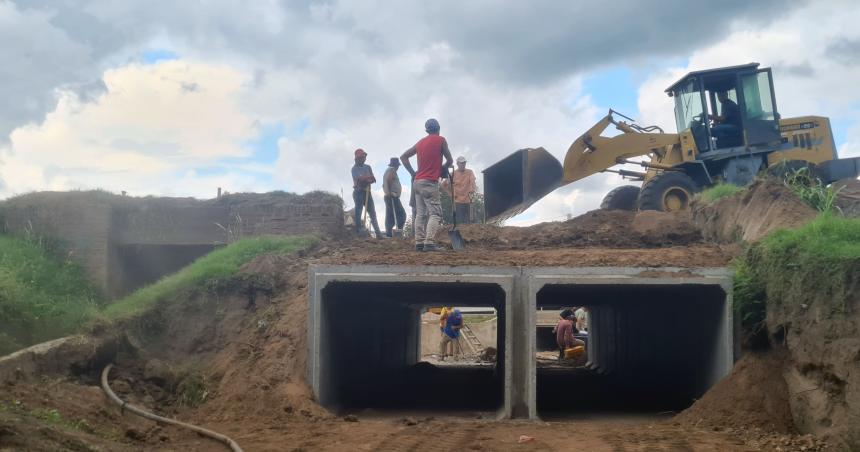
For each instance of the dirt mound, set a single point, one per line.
(753, 395)
(603, 228)
(750, 215)
(848, 198)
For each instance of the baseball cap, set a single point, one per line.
(394, 162)
(461, 159)
(359, 152)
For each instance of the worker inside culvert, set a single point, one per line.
(564, 331)
(451, 334)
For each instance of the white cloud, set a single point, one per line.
(143, 135)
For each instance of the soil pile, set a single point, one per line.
(848, 197)
(753, 395)
(751, 214)
(597, 228)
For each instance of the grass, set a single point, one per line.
(811, 190)
(218, 265)
(818, 263)
(43, 295)
(719, 191)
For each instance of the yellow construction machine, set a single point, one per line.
(728, 130)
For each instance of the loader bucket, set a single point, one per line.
(518, 181)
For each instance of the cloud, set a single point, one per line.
(143, 135)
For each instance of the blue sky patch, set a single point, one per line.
(153, 56)
(613, 88)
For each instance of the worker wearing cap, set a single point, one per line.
(430, 151)
(464, 189)
(362, 178)
(395, 215)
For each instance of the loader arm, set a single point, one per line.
(516, 182)
(592, 153)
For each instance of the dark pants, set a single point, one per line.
(394, 214)
(727, 135)
(462, 211)
(358, 196)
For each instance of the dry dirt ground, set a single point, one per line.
(250, 364)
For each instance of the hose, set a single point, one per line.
(145, 414)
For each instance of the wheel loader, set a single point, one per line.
(729, 130)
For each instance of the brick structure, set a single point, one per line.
(124, 242)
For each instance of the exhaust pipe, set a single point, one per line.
(519, 180)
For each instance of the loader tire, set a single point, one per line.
(621, 198)
(669, 191)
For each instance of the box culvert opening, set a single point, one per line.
(370, 348)
(651, 348)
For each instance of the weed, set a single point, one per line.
(811, 190)
(192, 390)
(719, 191)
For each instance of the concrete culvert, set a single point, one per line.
(368, 353)
(651, 348)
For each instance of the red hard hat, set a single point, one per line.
(359, 152)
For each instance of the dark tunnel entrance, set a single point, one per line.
(139, 265)
(650, 348)
(369, 348)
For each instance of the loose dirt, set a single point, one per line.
(751, 214)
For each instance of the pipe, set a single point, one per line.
(154, 417)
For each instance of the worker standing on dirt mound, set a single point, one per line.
(464, 189)
(395, 215)
(430, 150)
(362, 178)
(451, 334)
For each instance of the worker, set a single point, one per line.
(451, 334)
(395, 215)
(464, 189)
(581, 315)
(430, 151)
(727, 125)
(564, 331)
(362, 179)
(443, 318)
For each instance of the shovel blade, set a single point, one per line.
(456, 240)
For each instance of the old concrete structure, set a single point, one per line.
(658, 337)
(124, 242)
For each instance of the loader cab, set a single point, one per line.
(705, 99)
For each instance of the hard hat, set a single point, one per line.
(360, 152)
(431, 125)
(461, 159)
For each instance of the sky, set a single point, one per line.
(180, 98)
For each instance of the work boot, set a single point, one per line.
(419, 247)
(433, 247)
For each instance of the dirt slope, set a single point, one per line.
(751, 214)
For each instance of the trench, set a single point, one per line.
(370, 348)
(651, 348)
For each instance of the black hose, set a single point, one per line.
(154, 417)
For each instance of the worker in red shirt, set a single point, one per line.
(430, 151)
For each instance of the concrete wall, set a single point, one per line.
(118, 239)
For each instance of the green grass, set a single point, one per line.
(42, 295)
(811, 190)
(818, 263)
(218, 265)
(719, 191)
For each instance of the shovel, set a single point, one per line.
(454, 235)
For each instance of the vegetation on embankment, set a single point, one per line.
(816, 263)
(719, 191)
(43, 295)
(208, 271)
